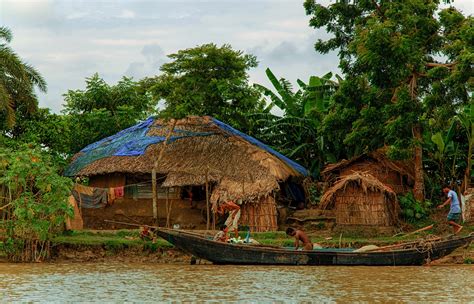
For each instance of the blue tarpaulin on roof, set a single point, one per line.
(134, 141)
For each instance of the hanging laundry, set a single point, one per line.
(90, 197)
(111, 196)
(118, 192)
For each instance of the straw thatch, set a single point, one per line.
(398, 175)
(361, 199)
(238, 167)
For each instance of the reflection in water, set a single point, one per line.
(150, 283)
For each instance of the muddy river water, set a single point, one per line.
(116, 282)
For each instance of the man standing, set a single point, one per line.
(232, 221)
(454, 214)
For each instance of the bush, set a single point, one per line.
(413, 210)
(34, 200)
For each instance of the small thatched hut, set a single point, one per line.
(200, 151)
(398, 175)
(360, 199)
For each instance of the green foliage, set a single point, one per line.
(394, 86)
(33, 198)
(102, 110)
(17, 83)
(207, 80)
(298, 133)
(48, 130)
(413, 210)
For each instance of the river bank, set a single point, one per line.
(126, 246)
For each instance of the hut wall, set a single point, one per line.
(260, 216)
(354, 207)
(106, 181)
(386, 175)
(139, 208)
(141, 211)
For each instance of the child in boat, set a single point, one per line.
(454, 214)
(221, 236)
(299, 235)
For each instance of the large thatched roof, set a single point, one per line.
(361, 180)
(404, 168)
(198, 146)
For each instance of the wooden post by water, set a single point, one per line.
(153, 190)
(168, 208)
(207, 197)
(153, 173)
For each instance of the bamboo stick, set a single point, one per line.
(399, 245)
(419, 230)
(207, 197)
(153, 173)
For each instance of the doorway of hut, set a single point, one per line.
(292, 195)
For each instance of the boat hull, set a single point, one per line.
(224, 253)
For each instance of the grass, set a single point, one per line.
(108, 239)
(130, 238)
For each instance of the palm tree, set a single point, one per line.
(17, 82)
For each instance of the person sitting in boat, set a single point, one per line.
(299, 235)
(221, 236)
(232, 221)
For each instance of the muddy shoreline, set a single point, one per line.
(66, 253)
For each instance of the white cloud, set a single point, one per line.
(126, 14)
(70, 40)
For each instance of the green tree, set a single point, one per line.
(17, 82)
(392, 45)
(34, 203)
(48, 130)
(208, 80)
(102, 110)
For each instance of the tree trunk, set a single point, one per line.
(419, 187)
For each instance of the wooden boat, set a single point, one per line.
(413, 253)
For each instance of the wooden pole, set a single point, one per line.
(207, 198)
(400, 245)
(153, 190)
(153, 173)
(168, 208)
(419, 230)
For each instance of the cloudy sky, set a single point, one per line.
(70, 40)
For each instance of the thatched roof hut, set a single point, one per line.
(238, 166)
(398, 175)
(361, 199)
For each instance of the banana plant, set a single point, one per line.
(466, 120)
(296, 133)
(444, 148)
